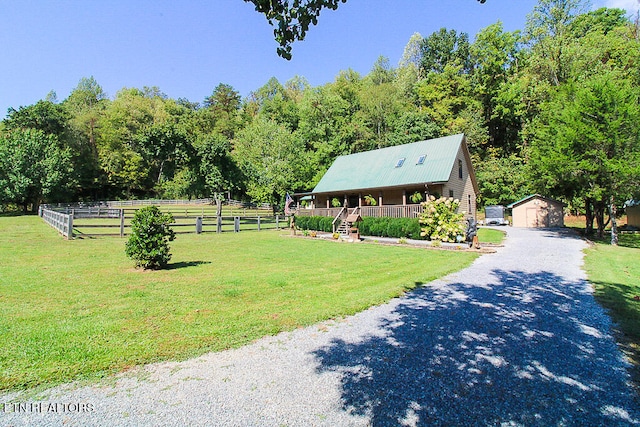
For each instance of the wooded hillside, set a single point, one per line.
(553, 109)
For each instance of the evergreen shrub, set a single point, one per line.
(407, 228)
(151, 233)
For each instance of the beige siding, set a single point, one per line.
(462, 187)
(538, 213)
(392, 197)
(633, 216)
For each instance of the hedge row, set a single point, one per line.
(399, 228)
(408, 228)
(317, 223)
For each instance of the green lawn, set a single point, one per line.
(78, 309)
(615, 273)
(489, 235)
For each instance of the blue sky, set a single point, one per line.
(188, 47)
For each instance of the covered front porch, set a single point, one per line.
(387, 202)
(392, 211)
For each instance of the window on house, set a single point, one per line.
(459, 168)
(400, 162)
(469, 203)
(421, 159)
(450, 193)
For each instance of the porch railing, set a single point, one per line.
(392, 211)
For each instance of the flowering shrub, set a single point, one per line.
(440, 221)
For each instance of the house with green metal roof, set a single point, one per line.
(394, 176)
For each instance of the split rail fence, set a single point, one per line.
(102, 220)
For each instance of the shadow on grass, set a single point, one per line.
(625, 310)
(185, 264)
(527, 349)
(16, 213)
(625, 240)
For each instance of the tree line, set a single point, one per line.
(552, 108)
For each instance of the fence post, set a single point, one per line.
(277, 222)
(121, 222)
(236, 224)
(219, 224)
(199, 225)
(70, 227)
(258, 222)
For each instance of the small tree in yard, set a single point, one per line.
(148, 244)
(439, 219)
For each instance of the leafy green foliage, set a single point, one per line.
(592, 129)
(151, 233)
(400, 228)
(317, 223)
(408, 228)
(499, 90)
(270, 158)
(292, 22)
(503, 180)
(33, 168)
(445, 47)
(440, 220)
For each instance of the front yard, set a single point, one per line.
(78, 309)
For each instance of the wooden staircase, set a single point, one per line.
(343, 228)
(340, 223)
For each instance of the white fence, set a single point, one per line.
(60, 221)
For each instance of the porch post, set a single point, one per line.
(404, 197)
(328, 203)
(380, 199)
(359, 199)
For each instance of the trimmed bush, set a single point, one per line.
(148, 244)
(317, 223)
(399, 228)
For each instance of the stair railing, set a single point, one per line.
(335, 220)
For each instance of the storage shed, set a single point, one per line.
(536, 211)
(632, 208)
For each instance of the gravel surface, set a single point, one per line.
(515, 339)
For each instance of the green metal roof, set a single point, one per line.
(377, 168)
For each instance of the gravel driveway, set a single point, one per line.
(515, 339)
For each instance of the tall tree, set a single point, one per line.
(272, 101)
(124, 134)
(548, 33)
(409, 72)
(271, 158)
(34, 168)
(216, 167)
(494, 55)
(50, 118)
(86, 103)
(222, 108)
(587, 144)
(445, 47)
(85, 106)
